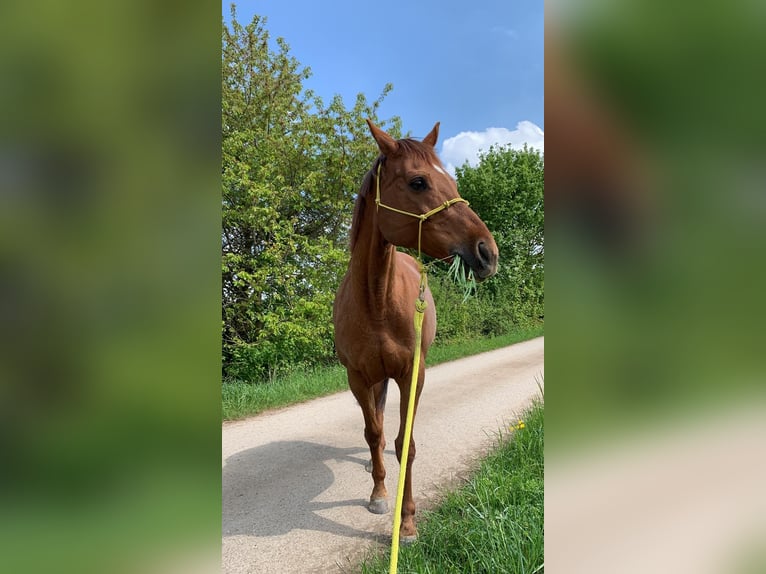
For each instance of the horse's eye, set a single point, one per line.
(418, 184)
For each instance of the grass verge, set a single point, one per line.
(241, 399)
(492, 525)
(451, 351)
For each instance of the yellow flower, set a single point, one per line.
(520, 425)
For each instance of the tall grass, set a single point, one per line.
(461, 274)
(492, 525)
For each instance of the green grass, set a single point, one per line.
(461, 274)
(494, 524)
(451, 351)
(241, 399)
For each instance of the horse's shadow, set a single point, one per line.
(270, 490)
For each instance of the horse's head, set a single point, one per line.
(412, 184)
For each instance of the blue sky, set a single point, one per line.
(470, 65)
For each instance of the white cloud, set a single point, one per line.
(466, 146)
(509, 32)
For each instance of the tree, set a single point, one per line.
(290, 169)
(506, 191)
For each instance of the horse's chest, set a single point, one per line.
(394, 357)
(378, 338)
(381, 352)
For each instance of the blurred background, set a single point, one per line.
(109, 289)
(656, 237)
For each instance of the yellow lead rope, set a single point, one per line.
(420, 308)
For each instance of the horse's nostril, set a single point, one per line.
(484, 255)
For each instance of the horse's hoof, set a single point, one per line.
(378, 506)
(407, 540)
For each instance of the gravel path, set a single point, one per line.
(294, 484)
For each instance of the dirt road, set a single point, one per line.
(294, 484)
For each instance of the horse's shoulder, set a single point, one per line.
(408, 267)
(408, 260)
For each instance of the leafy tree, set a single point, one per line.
(291, 166)
(506, 191)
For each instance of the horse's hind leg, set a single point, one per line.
(372, 400)
(408, 532)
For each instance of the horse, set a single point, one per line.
(374, 305)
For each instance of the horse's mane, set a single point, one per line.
(408, 146)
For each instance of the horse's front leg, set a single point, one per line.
(408, 532)
(372, 400)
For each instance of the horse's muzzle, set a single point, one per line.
(487, 257)
(482, 259)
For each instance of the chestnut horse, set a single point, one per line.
(375, 303)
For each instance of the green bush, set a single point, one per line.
(491, 312)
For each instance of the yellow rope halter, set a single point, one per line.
(423, 216)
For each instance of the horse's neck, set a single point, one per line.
(373, 263)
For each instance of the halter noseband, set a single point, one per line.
(422, 217)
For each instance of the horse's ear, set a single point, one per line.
(433, 135)
(386, 143)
